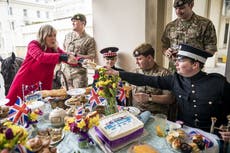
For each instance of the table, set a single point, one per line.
(69, 143)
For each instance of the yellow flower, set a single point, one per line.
(94, 121)
(81, 124)
(67, 122)
(33, 116)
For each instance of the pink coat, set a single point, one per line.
(38, 66)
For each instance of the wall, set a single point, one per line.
(119, 23)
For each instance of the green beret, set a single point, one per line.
(80, 17)
(178, 3)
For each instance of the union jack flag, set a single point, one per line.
(21, 149)
(121, 94)
(94, 98)
(79, 114)
(19, 112)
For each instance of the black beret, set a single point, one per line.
(178, 3)
(80, 17)
(109, 51)
(193, 53)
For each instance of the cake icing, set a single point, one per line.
(119, 129)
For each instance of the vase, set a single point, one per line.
(111, 106)
(83, 142)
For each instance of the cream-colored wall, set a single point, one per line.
(119, 23)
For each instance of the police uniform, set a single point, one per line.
(198, 31)
(84, 45)
(111, 52)
(156, 70)
(199, 97)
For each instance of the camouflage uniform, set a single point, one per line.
(85, 45)
(198, 32)
(151, 106)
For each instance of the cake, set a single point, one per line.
(119, 129)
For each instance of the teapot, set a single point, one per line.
(57, 116)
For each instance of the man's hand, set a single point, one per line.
(170, 53)
(141, 97)
(225, 133)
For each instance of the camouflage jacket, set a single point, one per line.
(151, 106)
(198, 32)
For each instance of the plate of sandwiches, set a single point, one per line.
(76, 101)
(76, 91)
(57, 138)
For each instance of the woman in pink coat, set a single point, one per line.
(38, 67)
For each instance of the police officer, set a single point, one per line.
(188, 28)
(110, 57)
(200, 96)
(79, 43)
(146, 97)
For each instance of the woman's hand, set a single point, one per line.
(72, 59)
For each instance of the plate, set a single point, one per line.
(54, 142)
(142, 146)
(76, 92)
(173, 125)
(134, 110)
(35, 104)
(4, 101)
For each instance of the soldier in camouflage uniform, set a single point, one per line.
(188, 28)
(146, 97)
(80, 44)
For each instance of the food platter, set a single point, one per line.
(55, 142)
(35, 104)
(133, 110)
(4, 101)
(76, 91)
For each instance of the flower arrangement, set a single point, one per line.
(11, 135)
(107, 87)
(82, 127)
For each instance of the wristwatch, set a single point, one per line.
(150, 97)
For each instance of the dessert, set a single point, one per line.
(4, 110)
(185, 148)
(34, 144)
(53, 93)
(195, 148)
(143, 148)
(119, 129)
(170, 138)
(176, 143)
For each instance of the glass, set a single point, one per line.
(160, 124)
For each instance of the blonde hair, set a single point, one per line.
(43, 32)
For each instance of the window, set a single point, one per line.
(38, 14)
(12, 25)
(10, 11)
(47, 15)
(25, 12)
(226, 33)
